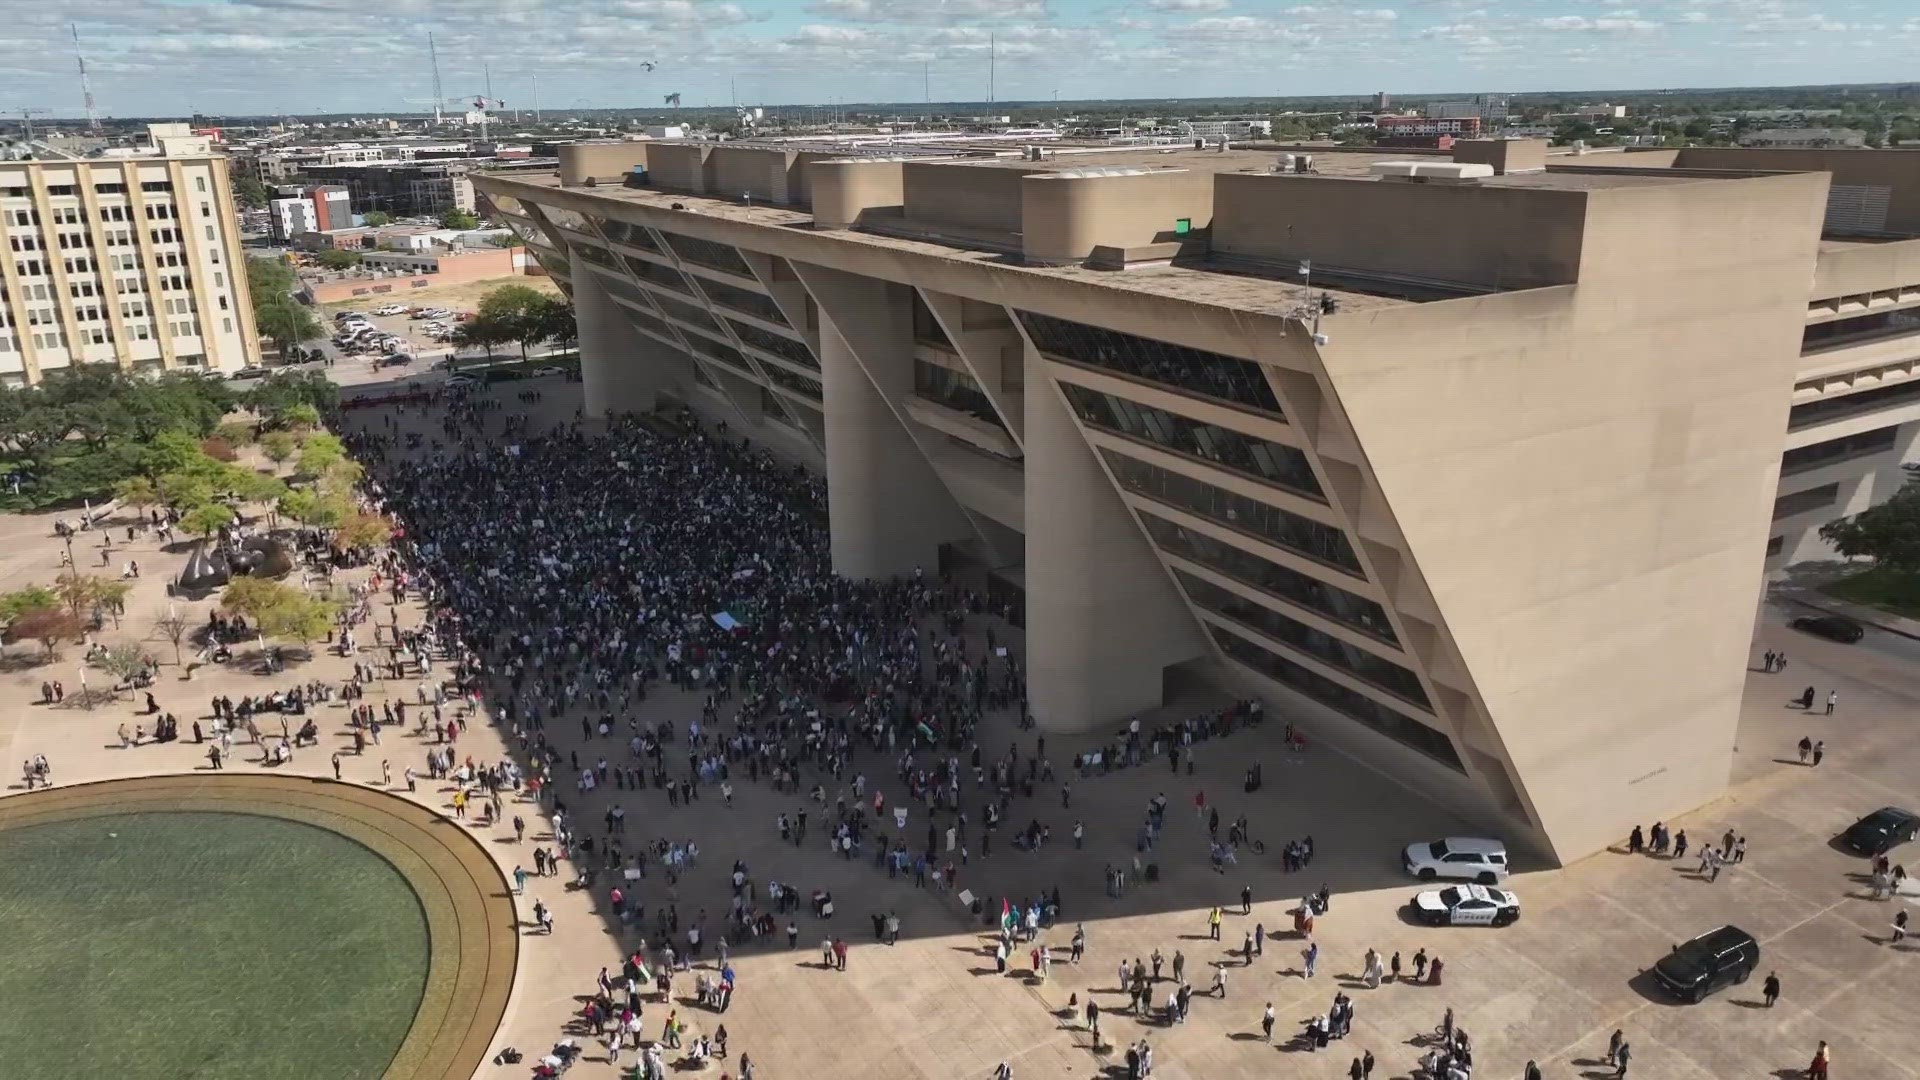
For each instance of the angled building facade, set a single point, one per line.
(1473, 464)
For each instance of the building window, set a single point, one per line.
(200, 183)
(778, 344)
(1223, 378)
(1775, 544)
(725, 354)
(689, 314)
(1282, 582)
(799, 384)
(664, 276)
(1402, 729)
(956, 390)
(624, 232)
(1320, 542)
(1834, 451)
(927, 329)
(1800, 502)
(1275, 463)
(739, 299)
(707, 253)
(1353, 660)
(1813, 412)
(155, 186)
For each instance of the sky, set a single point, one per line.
(236, 57)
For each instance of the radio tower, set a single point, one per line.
(86, 86)
(434, 58)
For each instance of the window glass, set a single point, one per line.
(1224, 378)
(1270, 577)
(739, 299)
(955, 389)
(1304, 536)
(778, 344)
(1352, 659)
(707, 253)
(1402, 729)
(1274, 463)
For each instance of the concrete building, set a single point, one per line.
(133, 261)
(1460, 127)
(1488, 506)
(1804, 137)
(303, 210)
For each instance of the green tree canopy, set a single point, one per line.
(1889, 534)
(376, 218)
(459, 219)
(337, 258)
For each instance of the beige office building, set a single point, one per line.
(131, 260)
(1486, 500)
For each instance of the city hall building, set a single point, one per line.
(1473, 461)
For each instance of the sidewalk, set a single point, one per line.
(1860, 613)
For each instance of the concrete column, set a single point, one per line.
(887, 509)
(619, 370)
(1103, 617)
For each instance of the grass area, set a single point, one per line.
(208, 945)
(464, 296)
(1887, 590)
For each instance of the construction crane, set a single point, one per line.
(86, 85)
(27, 113)
(484, 105)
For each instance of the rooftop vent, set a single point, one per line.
(1431, 172)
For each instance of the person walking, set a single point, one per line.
(1806, 748)
(1770, 990)
(1899, 928)
(1311, 956)
(213, 757)
(1819, 750)
(1246, 899)
(1266, 1023)
(1620, 1059)
(1213, 924)
(1833, 698)
(1822, 1060)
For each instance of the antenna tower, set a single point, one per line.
(993, 54)
(433, 57)
(86, 85)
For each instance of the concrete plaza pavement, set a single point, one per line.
(1550, 988)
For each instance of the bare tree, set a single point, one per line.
(173, 626)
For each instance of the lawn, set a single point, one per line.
(1887, 590)
(205, 945)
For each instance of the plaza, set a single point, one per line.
(1551, 988)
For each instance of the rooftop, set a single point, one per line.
(1200, 284)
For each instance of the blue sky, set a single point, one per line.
(227, 56)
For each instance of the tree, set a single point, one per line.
(173, 626)
(268, 280)
(298, 618)
(275, 397)
(301, 415)
(320, 453)
(253, 597)
(249, 192)
(316, 509)
(554, 321)
(1889, 534)
(459, 219)
(278, 446)
(27, 599)
(362, 530)
(78, 591)
(286, 323)
(256, 487)
(112, 598)
(48, 625)
(207, 518)
(219, 449)
(516, 313)
(138, 492)
(123, 662)
(376, 218)
(338, 259)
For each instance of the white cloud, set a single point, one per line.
(1377, 14)
(683, 13)
(1603, 24)
(1694, 17)
(1189, 5)
(929, 11)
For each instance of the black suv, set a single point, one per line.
(1715, 959)
(1832, 627)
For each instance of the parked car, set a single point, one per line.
(460, 382)
(1461, 858)
(1833, 627)
(249, 373)
(1881, 831)
(1467, 905)
(390, 309)
(1713, 961)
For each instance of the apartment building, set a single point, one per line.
(1487, 506)
(132, 260)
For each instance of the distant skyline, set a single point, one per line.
(173, 57)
